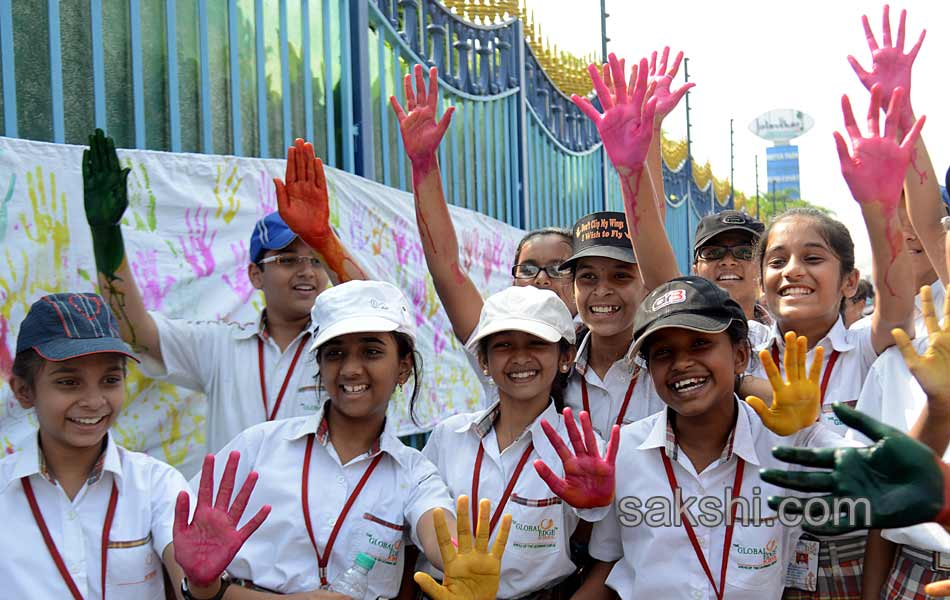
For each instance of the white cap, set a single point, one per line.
(529, 309)
(357, 307)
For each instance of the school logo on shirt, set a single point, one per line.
(671, 297)
(754, 558)
(384, 551)
(542, 535)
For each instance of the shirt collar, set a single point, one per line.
(317, 424)
(583, 351)
(836, 338)
(30, 461)
(258, 328)
(482, 422)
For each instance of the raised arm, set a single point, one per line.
(421, 135)
(875, 174)
(304, 204)
(891, 68)
(626, 129)
(105, 197)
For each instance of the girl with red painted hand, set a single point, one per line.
(524, 339)
(340, 482)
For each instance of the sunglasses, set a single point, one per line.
(740, 252)
(290, 260)
(530, 271)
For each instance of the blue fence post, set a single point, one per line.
(522, 214)
(364, 149)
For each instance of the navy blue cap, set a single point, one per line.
(270, 233)
(63, 326)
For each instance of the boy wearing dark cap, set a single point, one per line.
(250, 372)
(83, 517)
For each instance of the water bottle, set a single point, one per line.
(355, 580)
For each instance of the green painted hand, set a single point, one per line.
(897, 482)
(105, 195)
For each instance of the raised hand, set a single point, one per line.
(940, 589)
(661, 81)
(890, 66)
(421, 134)
(588, 479)
(903, 481)
(205, 547)
(471, 572)
(796, 401)
(875, 172)
(105, 197)
(626, 126)
(932, 368)
(303, 200)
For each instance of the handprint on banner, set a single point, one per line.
(6, 359)
(378, 231)
(358, 220)
(49, 216)
(197, 248)
(154, 288)
(266, 193)
(226, 186)
(493, 255)
(238, 281)
(408, 249)
(141, 212)
(419, 299)
(470, 249)
(4, 206)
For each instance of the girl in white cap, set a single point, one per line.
(524, 339)
(340, 482)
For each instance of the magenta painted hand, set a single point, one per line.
(205, 547)
(238, 281)
(890, 66)
(421, 134)
(6, 360)
(875, 171)
(154, 287)
(197, 248)
(626, 126)
(661, 82)
(588, 479)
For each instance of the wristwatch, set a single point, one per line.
(225, 584)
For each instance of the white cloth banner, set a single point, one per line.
(186, 234)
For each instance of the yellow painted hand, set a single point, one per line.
(940, 589)
(796, 402)
(471, 572)
(932, 368)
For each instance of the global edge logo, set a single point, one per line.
(545, 529)
(391, 549)
(753, 558)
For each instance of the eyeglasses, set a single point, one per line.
(741, 252)
(530, 271)
(291, 260)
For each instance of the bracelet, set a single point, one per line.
(225, 583)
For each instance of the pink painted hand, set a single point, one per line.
(890, 66)
(661, 82)
(875, 171)
(626, 125)
(205, 547)
(421, 134)
(588, 478)
(303, 200)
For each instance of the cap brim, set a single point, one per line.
(67, 348)
(755, 235)
(692, 322)
(281, 241)
(535, 328)
(352, 325)
(622, 254)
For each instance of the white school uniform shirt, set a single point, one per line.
(280, 556)
(538, 554)
(221, 360)
(892, 395)
(659, 561)
(606, 395)
(856, 355)
(141, 527)
(938, 291)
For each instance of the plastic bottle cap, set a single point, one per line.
(365, 560)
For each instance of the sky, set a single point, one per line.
(750, 56)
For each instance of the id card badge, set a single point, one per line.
(802, 569)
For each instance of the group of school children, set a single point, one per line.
(627, 386)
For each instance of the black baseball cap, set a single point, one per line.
(728, 220)
(63, 326)
(691, 302)
(601, 234)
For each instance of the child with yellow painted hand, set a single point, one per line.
(796, 402)
(472, 572)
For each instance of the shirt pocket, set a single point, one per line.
(756, 556)
(382, 536)
(133, 565)
(537, 526)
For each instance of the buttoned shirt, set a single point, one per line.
(221, 360)
(657, 560)
(938, 292)
(385, 515)
(141, 528)
(892, 395)
(856, 354)
(538, 552)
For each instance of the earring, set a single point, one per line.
(485, 371)
(564, 368)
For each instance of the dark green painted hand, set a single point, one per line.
(106, 197)
(902, 480)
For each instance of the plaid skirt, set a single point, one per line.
(911, 572)
(840, 565)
